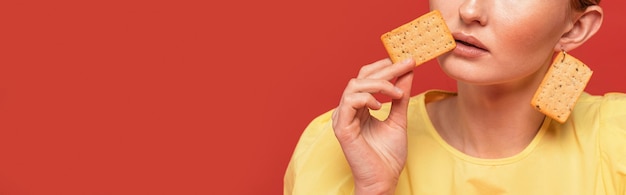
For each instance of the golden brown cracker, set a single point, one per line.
(562, 85)
(424, 38)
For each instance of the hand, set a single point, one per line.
(376, 150)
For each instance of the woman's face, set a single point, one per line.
(500, 41)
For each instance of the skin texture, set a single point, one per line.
(376, 149)
(510, 30)
(494, 88)
(492, 112)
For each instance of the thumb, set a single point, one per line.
(399, 107)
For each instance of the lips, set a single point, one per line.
(468, 40)
(468, 47)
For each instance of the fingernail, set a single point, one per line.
(406, 61)
(398, 90)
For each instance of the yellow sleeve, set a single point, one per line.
(317, 165)
(613, 142)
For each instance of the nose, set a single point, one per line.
(471, 11)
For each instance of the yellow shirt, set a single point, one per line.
(585, 155)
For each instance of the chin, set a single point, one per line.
(461, 71)
(472, 74)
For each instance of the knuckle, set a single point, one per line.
(353, 81)
(353, 84)
(348, 99)
(365, 69)
(354, 99)
(342, 133)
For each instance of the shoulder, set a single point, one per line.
(613, 137)
(608, 112)
(612, 124)
(318, 133)
(315, 131)
(614, 107)
(608, 109)
(318, 155)
(607, 115)
(602, 101)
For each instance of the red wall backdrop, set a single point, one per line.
(190, 96)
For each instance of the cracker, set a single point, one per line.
(562, 85)
(424, 38)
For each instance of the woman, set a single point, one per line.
(482, 139)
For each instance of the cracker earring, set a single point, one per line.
(562, 85)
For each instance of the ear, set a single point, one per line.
(585, 25)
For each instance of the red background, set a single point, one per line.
(194, 97)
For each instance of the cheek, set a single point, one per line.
(522, 51)
(530, 26)
(526, 36)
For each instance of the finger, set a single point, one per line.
(351, 104)
(399, 107)
(374, 67)
(373, 86)
(394, 70)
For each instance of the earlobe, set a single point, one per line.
(585, 25)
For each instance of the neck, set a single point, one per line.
(494, 124)
(491, 121)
